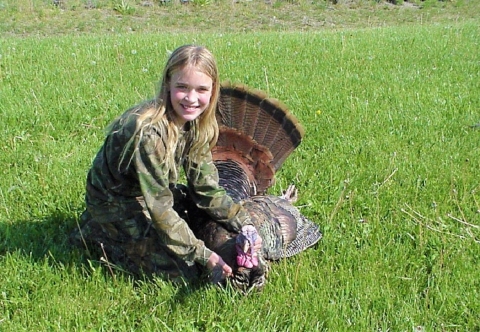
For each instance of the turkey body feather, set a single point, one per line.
(256, 135)
(284, 230)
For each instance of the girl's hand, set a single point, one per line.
(218, 268)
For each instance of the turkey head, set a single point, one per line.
(244, 247)
(236, 249)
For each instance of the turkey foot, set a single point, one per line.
(291, 194)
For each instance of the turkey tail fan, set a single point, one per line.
(256, 131)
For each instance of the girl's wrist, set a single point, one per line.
(203, 255)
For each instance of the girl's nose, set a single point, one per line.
(191, 95)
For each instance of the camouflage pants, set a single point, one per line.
(128, 239)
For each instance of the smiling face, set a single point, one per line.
(190, 94)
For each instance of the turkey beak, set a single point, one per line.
(246, 246)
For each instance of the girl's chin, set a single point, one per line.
(190, 116)
(184, 118)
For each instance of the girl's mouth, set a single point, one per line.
(188, 108)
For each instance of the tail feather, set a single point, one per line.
(267, 121)
(256, 131)
(253, 159)
(237, 185)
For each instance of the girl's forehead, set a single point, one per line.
(190, 73)
(188, 69)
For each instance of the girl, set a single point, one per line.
(134, 205)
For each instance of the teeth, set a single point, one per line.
(190, 109)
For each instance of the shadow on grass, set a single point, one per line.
(38, 238)
(47, 239)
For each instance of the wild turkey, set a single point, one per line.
(256, 135)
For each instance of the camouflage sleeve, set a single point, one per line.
(153, 178)
(209, 196)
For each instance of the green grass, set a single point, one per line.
(40, 17)
(389, 169)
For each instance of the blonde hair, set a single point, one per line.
(203, 130)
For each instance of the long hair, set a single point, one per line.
(203, 130)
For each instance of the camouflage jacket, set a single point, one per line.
(141, 184)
